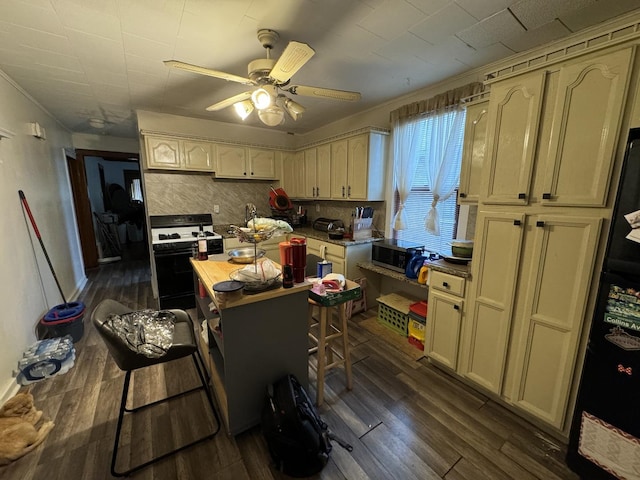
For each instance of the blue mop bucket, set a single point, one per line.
(64, 319)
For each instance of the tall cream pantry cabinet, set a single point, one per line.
(551, 146)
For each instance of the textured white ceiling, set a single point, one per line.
(85, 59)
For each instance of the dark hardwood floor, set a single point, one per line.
(405, 418)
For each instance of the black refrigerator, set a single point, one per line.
(605, 434)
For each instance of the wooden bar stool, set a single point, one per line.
(324, 340)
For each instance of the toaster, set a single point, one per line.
(322, 224)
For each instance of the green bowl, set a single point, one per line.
(463, 252)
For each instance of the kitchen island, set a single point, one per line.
(252, 341)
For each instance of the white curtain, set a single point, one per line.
(444, 152)
(407, 135)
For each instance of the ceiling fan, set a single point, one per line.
(272, 77)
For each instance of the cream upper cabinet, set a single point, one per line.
(292, 174)
(339, 169)
(362, 177)
(587, 115)
(547, 329)
(262, 163)
(198, 155)
(514, 117)
(234, 161)
(176, 154)
(317, 172)
(442, 337)
(473, 152)
(497, 249)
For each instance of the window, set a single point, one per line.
(432, 144)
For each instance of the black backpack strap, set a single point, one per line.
(340, 441)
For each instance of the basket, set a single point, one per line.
(253, 236)
(393, 312)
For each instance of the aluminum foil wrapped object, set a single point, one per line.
(148, 332)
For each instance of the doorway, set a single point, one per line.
(109, 202)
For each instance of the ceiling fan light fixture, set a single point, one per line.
(293, 108)
(243, 109)
(271, 116)
(261, 98)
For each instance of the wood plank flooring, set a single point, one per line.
(405, 418)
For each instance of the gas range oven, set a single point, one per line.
(173, 239)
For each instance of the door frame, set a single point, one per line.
(84, 215)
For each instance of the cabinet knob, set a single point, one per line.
(244, 173)
(546, 196)
(522, 196)
(456, 307)
(349, 191)
(317, 191)
(539, 223)
(445, 284)
(463, 195)
(251, 173)
(343, 190)
(517, 223)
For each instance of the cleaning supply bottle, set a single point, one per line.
(202, 245)
(414, 265)
(423, 275)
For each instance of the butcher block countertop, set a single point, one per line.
(211, 272)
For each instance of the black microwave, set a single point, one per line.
(394, 254)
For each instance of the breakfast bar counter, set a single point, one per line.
(251, 341)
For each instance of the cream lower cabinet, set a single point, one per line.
(528, 300)
(444, 319)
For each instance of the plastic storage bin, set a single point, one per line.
(393, 312)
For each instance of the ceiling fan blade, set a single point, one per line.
(307, 91)
(229, 101)
(207, 71)
(292, 59)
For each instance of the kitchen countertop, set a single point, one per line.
(304, 231)
(387, 272)
(450, 268)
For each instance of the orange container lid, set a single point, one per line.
(419, 308)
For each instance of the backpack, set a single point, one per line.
(298, 440)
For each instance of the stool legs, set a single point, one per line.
(327, 333)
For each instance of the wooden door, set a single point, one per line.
(514, 117)
(232, 161)
(494, 272)
(339, 169)
(473, 150)
(586, 127)
(358, 167)
(309, 165)
(163, 153)
(443, 328)
(545, 339)
(263, 164)
(323, 172)
(198, 156)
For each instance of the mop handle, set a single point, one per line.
(44, 250)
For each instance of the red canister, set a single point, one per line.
(299, 258)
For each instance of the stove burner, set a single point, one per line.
(165, 236)
(206, 234)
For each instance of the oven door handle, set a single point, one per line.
(161, 254)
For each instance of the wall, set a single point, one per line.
(39, 168)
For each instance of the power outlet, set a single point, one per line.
(317, 208)
(216, 209)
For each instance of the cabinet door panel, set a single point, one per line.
(288, 180)
(163, 153)
(495, 269)
(232, 161)
(514, 117)
(263, 163)
(309, 184)
(339, 169)
(473, 150)
(443, 327)
(323, 172)
(555, 303)
(358, 167)
(198, 156)
(587, 117)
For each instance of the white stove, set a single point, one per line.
(179, 232)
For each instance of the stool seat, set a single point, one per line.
(324, 340)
